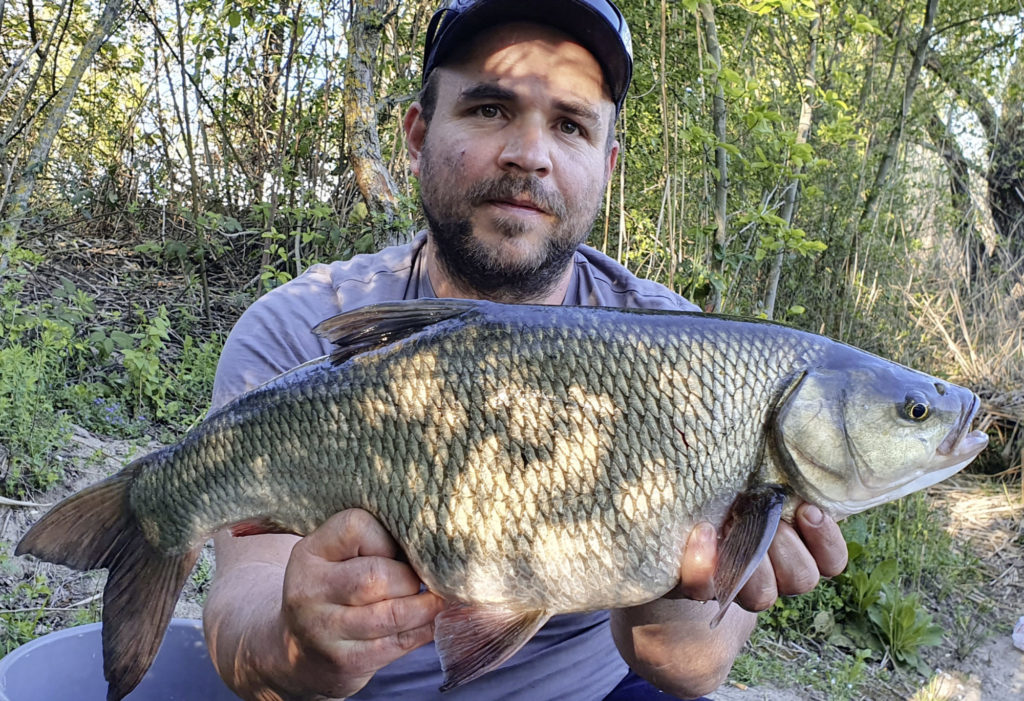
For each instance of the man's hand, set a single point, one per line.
(801, 553)
(346, 608)
(670, 642)
(349, 606)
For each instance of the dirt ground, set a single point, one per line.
(989, 522)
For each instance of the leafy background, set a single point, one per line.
(853, 168)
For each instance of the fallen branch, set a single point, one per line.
(69, 607)
(4, 501)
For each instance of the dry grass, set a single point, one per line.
(987, 517)
(975, 325)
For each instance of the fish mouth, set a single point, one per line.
(962, 441)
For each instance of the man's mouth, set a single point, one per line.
(520, 203)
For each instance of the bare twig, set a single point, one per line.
(4, 501)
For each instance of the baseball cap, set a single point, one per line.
(596, 24)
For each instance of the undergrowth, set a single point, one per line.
(875, 619)
(26, 603)
(64, 361)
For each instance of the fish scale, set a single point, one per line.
(528, 460)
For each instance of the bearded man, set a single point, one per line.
(513, 141)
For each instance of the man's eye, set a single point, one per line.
(488, 111)
(570, 128)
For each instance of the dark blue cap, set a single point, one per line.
(596, 24)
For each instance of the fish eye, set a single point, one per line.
(916, 408)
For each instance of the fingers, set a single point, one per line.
(797, 559)
(795, 569)
(350, 533)
(697, 571)
(384, 619)
(823, 538)
(799, 555)
(360, 581)
(760, 591)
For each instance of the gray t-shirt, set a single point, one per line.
(573, 657)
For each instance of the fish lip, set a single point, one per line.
(956, 435)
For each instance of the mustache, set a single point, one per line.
(508, 186)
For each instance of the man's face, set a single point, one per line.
(514, 162)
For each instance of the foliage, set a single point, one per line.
(26, 601)
(20, 627)
(227, 121)
(904, 626)
(31, 366)
(61, 359)
(901, 564)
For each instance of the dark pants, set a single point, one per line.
(634, 688)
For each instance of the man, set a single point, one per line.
(512, 139)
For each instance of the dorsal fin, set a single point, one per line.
(377, 325)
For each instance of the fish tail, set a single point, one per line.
(94, 529)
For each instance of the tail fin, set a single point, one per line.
(97, 529)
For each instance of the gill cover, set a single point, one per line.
(863, 431)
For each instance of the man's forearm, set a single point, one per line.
(669, 642)
(243, 631)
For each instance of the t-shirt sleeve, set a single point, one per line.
(275, 334)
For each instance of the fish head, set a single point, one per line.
(865, 431)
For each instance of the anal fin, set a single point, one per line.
(751, 524)
(473, 640)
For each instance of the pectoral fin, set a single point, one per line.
(750, 526)
(473, 640)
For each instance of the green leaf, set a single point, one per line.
(730, 76)
(121, 339)
(885, 571)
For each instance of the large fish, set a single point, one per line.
(529, 460)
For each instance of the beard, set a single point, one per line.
(492, 271)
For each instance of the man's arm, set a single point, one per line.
(669, 641)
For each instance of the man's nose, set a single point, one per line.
(527, 149)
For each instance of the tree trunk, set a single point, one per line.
(717, 263)
(958, 170)
(896, 135)
(1004, 132)
(1006, 173)
(37, 157)
(802, 133)
(369, 17)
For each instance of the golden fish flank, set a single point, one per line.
(529, 460)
